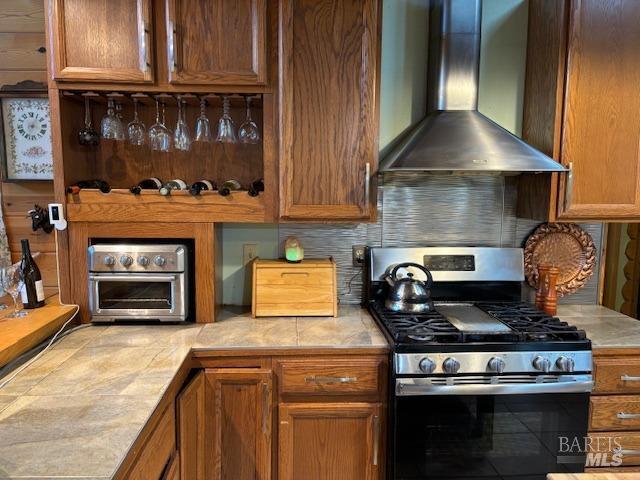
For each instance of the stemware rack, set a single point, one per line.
(123, 165)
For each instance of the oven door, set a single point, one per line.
(489, 434)
(126, 296)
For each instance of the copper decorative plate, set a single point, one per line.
(562, 245)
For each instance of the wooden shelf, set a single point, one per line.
(237, 100)
(120, 205)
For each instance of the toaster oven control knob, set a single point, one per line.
(450, 365)
(143, 261)
(497, 364)
(565, 364)
(542, 364)
(109, 260)
(160, 261)
(126, 260)
(427, 365)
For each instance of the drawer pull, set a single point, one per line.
(629, 378)
(287, 274)
(627, 416)
(630, 452)
(329, 380)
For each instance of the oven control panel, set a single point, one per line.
(135, 258)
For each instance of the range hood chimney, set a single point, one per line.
(454, 136)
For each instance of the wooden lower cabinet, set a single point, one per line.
(614, 412)
(191, 431)
(238, 424)
(329, 441)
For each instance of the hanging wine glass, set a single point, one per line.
(248, 131)
(182, 136)
(136, 129)
(203, 128)
(159, 135)
(111, 125)
(88, 135)
(226, 128)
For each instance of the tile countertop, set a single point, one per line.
(77, 410)
(605, 328)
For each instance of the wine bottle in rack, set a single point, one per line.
(151, 183)
(101, 185)
(201, 185)
(175, 184)
(227, 187)
(256, 187)
(32, 291)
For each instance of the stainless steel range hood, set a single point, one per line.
(454, 136)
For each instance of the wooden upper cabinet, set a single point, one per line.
(217, 41)
(99, 41)
(601, 130)
(581, 106)
(319, 441)
(329, 60)
(238, 424)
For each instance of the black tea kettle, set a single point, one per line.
(407, 294)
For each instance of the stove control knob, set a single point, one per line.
(143, 261)
(497, 364)
(126, 260)
(450, 365)
(160, 261)
(427, 365)
(565, 364)
(109, 260)
(542, 364)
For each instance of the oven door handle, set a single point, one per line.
(133, 278)
(423, 386)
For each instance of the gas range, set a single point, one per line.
(483, 384)
(478, 315)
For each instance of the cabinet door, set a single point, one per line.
(329, 54)
(331, 441)
(238, 424)
(98, 41)
(601, 131)
(217, 41)
(191, 429)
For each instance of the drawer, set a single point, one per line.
(157, 450)
(619, 412)
(330, 377)
(607, 442)
(296, 310)
(294, 276)
(616, 375)
(293, 294)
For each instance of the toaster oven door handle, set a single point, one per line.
(133, 278)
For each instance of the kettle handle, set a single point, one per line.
(416, 265)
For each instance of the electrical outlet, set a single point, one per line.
(358, 254)
(249, 252)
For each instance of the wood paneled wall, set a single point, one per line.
(22, 57)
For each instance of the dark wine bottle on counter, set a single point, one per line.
(175, 184)
(32, 290)
(101, 185)
(151, 183)
(256, 187)
(201, 185)
(227, 187)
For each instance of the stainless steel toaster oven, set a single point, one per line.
(138, 282)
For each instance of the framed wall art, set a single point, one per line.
(26, 136)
